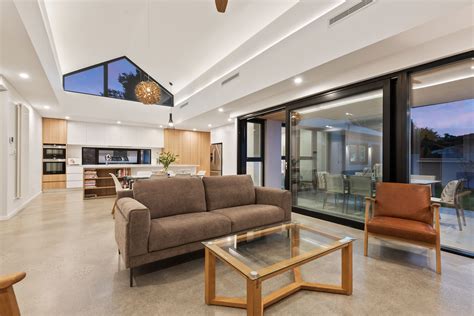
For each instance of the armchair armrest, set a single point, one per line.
(369, 205)
(276, 197)
(8, 280)
(132, 227)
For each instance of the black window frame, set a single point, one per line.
(396, 127)
(106, 79)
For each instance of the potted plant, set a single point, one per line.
(166, 159)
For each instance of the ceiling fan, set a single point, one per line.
(221, 5)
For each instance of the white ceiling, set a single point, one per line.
(195, 47)
(17, 55)
(174, 41)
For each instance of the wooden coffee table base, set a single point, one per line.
(255, 303)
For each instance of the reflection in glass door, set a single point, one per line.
(442, 146)
(336, 154)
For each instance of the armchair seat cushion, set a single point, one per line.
(402, 228)
(177, 230)
(252, 216)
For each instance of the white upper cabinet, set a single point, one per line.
(76, 133)
(95, 134)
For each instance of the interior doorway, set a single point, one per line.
(263, 149)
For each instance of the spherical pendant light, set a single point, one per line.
(148, 92)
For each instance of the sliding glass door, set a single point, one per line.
(336, 154)
(442, 146)
(255, 151)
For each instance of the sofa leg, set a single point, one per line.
(131, 277)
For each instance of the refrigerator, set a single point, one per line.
(216, 159)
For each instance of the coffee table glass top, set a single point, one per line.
(263, 251)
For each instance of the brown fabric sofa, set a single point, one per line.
(167, 217)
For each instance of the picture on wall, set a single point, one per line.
(358, 154)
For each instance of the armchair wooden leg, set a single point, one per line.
(438, 259)
(113, 208)
(366, 242)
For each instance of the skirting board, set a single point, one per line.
(20, 208)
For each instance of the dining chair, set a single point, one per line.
(335, 186)
(118, 188)
(360, 187)
(452, 196)
(403, 212)
(321, 177)
(8, 302)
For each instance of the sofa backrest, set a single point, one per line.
(171, 196)
(407, 201)
(228, 191)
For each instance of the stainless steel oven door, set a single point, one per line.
(54, 153)
(54, 167)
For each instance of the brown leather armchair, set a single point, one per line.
(403, 212)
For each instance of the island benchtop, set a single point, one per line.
(133, 166)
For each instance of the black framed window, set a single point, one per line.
(115, 78)
(89, 81)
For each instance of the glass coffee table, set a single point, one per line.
(264, 253)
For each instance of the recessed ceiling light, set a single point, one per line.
(46, 107)
(298, 80)
(472, 67)
(209, 125)
(221, 110)
(229, 120)
(348, 114)
(118, 122)
(67, 117)
(328, 126)
(194, 129)
(24, 75)
(161, 126)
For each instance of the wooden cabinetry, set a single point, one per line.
(193, 148)
(54, 181)
(54, 131)
(99, 184)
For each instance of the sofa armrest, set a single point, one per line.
(276, 197)
(132, 227)
(124, 194)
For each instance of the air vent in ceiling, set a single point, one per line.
(350, 11)
(183, 105)
(230, 79)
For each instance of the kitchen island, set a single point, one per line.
(97, 182)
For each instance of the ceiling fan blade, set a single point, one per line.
(221, 5)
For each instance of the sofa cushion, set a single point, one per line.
(407, 201)
(228, 191)
(177, 230)
(251, 216)
(171, 196)
(402, 228)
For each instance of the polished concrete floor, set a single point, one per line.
(67, 248)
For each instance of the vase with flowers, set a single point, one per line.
(166, 158)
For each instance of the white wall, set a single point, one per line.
(227, 135)
(31, 156)
(273, 176)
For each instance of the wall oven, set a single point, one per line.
(54, 166)
(54, 152)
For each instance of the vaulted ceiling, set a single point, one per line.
(188, 43)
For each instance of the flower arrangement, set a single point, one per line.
(166, 159)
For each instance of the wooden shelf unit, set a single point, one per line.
(103, 183)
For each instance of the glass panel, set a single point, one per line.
(122, 79)
(254, 136)
(265, 247)
(442, 146)
(336, 154)
(89, 81)
(254, 168)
